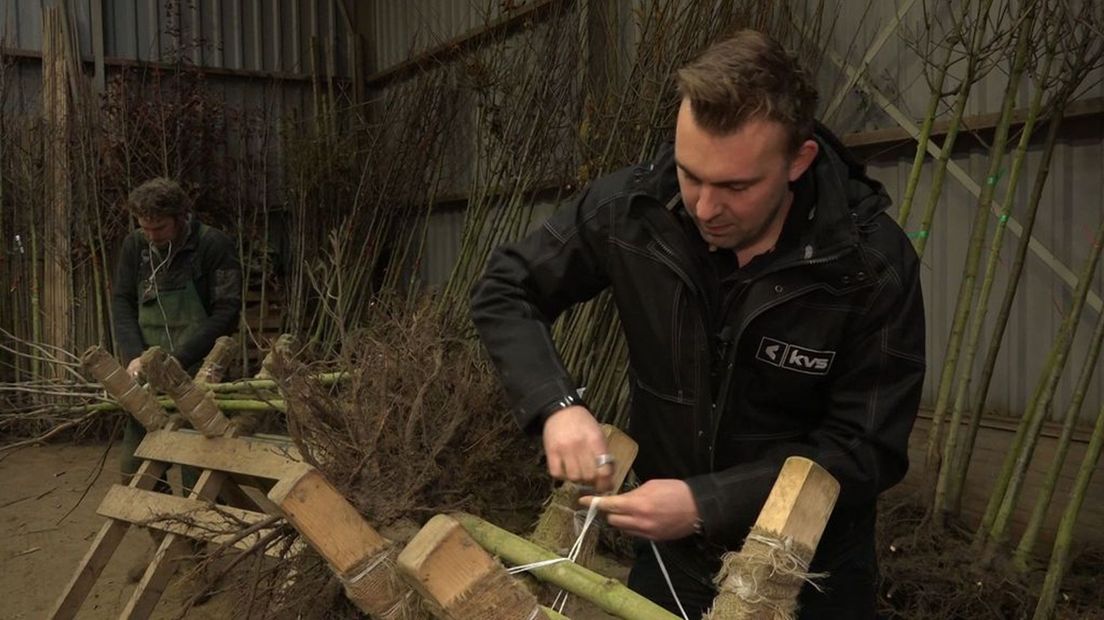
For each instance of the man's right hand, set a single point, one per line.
(573, 440)
(134, 368)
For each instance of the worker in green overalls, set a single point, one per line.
(177, 286)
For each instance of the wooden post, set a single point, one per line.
(285, 345)
(361, 558)
(56, 257)
(215, 364)
(122, 387)
(103, 547)
(194, 403)
(776, 555)
(460, 579)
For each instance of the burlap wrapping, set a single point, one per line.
(496, 595)
(556, 529)
(763, 580)
(121, 386)
(200, 409)
(210, 372)
(196, 405)
(214, 365)
(377, 589)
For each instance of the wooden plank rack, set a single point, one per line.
(451, 569)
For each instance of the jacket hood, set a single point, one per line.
(846, 198)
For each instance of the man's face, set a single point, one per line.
(736, 186)
(162, 229)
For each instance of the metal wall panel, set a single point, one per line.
(1073, 205)
(404, 29)
(445, 230)
(257, 35)
(276, 36)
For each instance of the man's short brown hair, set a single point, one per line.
(749, 76)
(158, 197)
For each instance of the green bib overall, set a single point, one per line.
(166, 320)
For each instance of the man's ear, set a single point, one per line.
(806, 153)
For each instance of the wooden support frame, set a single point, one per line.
(137, 504)
(158, 450)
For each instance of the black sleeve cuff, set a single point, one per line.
(567, 400)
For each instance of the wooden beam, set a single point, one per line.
(131, 63)
(327, 520)
(251, 457)
(218, 359)
(193, 518)
(459, 578)
(467, 41)
(800, 502)
(133, 398)
(360, 556)
(1088, 108)
(172, 548)
(103, 546)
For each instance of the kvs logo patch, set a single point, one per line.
(795, 358)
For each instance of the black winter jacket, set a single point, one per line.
(820, 354)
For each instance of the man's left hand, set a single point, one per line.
(658, 510)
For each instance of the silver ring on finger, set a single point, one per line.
(604, 459)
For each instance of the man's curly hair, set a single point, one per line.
(158, 198)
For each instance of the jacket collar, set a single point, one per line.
(845, 196)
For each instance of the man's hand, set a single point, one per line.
(656, 510)
(134, 368)
(573, 440)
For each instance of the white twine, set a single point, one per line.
(572, 555)
(795, 564)
(368, 568)
(667, 578)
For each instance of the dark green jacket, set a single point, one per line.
(209, 258)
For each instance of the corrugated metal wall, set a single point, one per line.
(400, 30)
(1071, 210)
(249, 35)
(1074, 202)
(259, 52)
(275, 36)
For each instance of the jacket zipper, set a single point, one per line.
(717, 408)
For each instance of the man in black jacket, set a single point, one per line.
(771, 308)
(177, 285)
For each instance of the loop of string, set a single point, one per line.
(790, 561)
(560, 601)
